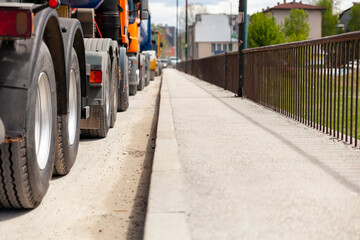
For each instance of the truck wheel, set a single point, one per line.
(147, 75)
(133, 90)
(114, 91)
(26, 164)
(124, 93)
(69, 124)
(141, 85)
(102, 112)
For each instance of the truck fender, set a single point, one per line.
(100, 44)
(97, 60)
(122, 60)
(17, 64)
(73, 38)
(133, 80)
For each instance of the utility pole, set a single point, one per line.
(241, 44)
(230, 45)
(186, 37)
(177, 32)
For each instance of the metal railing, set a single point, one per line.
(315, 82)
(220, 70)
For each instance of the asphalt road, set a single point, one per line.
(105, 194)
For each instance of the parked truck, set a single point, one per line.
(137, 64)
(156, 68)
(63, 70)
(151, 47)
(145, 45)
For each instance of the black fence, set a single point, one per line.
(315, 82)
(220, 70)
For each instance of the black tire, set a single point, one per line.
(23, 182)
(101, 111)
(141, 84)
(147, 72)
(114, 91)
(133, 90)
(67, 146)
(123, 104)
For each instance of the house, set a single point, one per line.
(345, 17)
(212, 34)
(281, 11)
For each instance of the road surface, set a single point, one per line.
(105, 194)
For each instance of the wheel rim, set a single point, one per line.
(73, 111)
(115, 92)
(138, 76)
(43, 120)
(127, 89)
(115, 100)
(107, 90)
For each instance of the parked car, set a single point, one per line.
(351, 63)
(164, 62)
(173, 61)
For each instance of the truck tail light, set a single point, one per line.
(16, 23)
(95, 76)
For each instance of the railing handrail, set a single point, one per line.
(329, 39)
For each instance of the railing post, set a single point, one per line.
(225, 70)
(241, 43)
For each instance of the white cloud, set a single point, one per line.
(161, 13)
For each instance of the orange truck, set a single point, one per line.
(138, 11)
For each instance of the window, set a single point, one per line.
(132, 11)
(218, 47)
(230, 47)
(225, 47)
(213, 47)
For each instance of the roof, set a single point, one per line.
(343, 12)
(292, 5)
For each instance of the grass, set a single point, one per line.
(297, 95)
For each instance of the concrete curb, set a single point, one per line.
(166, 211)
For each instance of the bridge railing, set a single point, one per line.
(220, 70)
(315, 82)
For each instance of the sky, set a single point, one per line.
(164, 11)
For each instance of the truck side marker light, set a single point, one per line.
(54, 3)
(95, 76)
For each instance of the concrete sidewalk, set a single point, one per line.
(240, 171)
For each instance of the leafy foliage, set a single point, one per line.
(329, 20)
(354, 23)
(263, 31)
(296, 27)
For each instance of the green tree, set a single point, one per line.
(296, 27)
(354, 23)
(329, 20)
(263, 31)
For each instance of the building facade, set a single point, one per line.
(345, 17)
(212, 34)
(281, 11)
